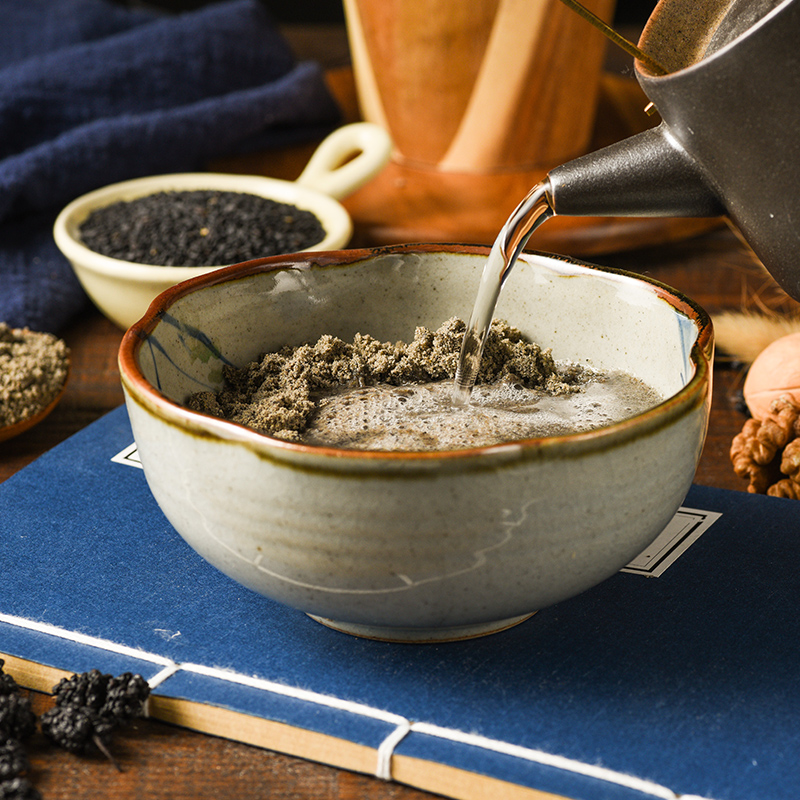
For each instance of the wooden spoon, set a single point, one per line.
(16, 428)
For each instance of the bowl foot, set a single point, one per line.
(422, 635)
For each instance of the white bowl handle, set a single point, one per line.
(329, 171)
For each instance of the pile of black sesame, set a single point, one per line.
(88, 707)
(199, 228)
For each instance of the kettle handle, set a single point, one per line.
(647, 175)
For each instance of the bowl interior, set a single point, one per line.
(598, 318)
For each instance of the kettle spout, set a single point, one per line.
(646, 175)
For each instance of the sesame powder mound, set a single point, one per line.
(278, 394)
(33, 370)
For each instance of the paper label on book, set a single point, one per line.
(129, 456)
(683, 530)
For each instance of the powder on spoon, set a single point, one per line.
(33, 370)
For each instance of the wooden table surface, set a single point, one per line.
(159, 760)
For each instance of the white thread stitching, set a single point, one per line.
(386, 751)
(158, 679)
(298, 694)
(81, 638)
(165, 673)
(547, 759)
(387, 747)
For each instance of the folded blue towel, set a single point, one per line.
(91, 93)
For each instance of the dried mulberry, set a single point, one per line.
(17, 720)
(7, 684)
(76, 728)
(19, 789)
(13, 760)
(125, 697)
(89, 706)
(117, 699)
(85, 689)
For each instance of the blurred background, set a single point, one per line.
(315, 29)
(629, 12)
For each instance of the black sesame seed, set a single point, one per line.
(199, 228)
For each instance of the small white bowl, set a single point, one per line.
(420, 546)
(123, 290)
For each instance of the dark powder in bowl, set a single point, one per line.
(199, 228)
(33, 370)
(285, 393)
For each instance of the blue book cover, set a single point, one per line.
(678, 677)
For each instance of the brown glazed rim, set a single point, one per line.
(139, 390)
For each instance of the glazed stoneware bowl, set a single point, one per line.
(417, 546)
(122, 290)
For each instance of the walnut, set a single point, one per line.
(748, 458)
(785, 488)
(767, 451)
(790, 460)
(780, 426)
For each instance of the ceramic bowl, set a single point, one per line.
(123, 290)
(417, 546)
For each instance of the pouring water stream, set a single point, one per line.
(513, 236)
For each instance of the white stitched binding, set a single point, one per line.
(387, 747)
(386, 751)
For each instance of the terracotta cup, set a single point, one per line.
(480, 86)
(496, 88)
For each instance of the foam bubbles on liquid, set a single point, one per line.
(417, 417)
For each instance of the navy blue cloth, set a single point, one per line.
(92, 93)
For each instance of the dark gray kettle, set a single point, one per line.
(729, 140)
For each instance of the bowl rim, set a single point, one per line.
(333, 216)
(695, 393)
